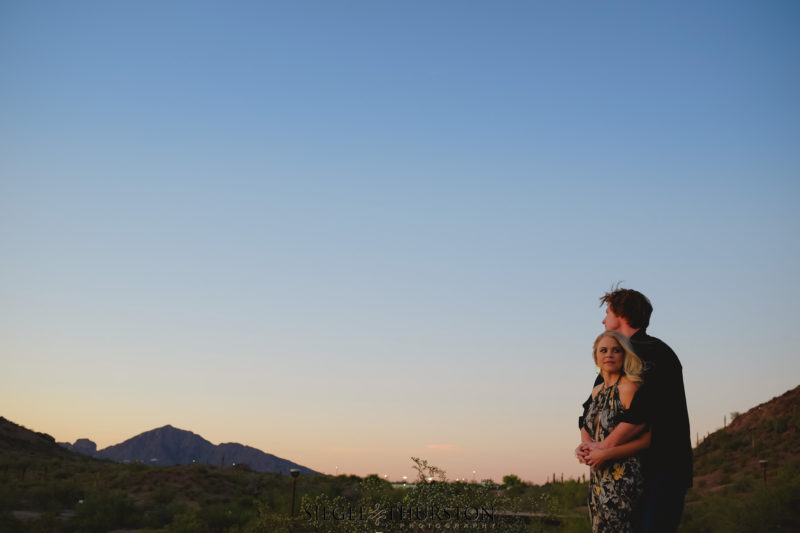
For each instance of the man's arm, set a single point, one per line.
(632, 422)
(621, 434)
(597, 457)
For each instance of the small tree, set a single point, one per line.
(427, 472)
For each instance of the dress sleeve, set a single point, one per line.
(597, 381)
(640, 409)
(586, 405)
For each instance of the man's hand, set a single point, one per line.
(593, 445)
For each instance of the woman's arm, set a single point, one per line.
(586, 437)
(596, 457)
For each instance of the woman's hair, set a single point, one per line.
(632, 366)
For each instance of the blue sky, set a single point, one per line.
(349, 233)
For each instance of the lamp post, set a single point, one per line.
(294, 472)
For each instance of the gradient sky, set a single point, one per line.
(348, 233)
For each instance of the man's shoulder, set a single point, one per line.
(643, 339)
(652, 349)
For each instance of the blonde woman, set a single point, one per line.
(616, 482)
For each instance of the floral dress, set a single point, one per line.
(615, 488)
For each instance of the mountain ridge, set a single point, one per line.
(756, 445)
(168, 445)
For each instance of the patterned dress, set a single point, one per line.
(615, 488)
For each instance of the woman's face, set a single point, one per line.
(609, 355)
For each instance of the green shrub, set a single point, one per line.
(188, 522)
(744, 483)
(103, 512)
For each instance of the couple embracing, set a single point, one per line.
(635, 425)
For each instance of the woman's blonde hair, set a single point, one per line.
(632, 366)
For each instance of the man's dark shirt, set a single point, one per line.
(661, 403)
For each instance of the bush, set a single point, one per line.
(103, 512)
(187, 522)
(221, 516)
(745, 483)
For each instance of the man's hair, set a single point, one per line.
(629, 304)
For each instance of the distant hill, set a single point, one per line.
(731, 491)
(19, 439)
(166, 446)
(784, 405)
(767, 432)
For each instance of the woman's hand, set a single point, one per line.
(595, 457)
(580, 453)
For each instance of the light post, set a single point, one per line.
(294, 472)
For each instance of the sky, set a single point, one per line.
(352, 233)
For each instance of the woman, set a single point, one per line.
(616, 481)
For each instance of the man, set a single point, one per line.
(660, 405)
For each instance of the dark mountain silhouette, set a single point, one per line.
(19, 439)
(168, 445)
(82, 446)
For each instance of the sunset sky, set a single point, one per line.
(348, 233)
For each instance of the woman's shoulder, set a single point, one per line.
(627, 386)
(627, 390)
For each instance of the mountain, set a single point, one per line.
(19, 439)
(84, 446)
(787, 404)
(747, 475)
(168, 445)
(767, 432)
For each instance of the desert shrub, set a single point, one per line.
(712, 463)
(187, 522)
(771, 507)
(268, 521)
(795, 420)
(101, 512)
(46, 523)
(576, 525)
(692, 495)
(8, 523)
(780, 424)
(744, 483)
(222, 516)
